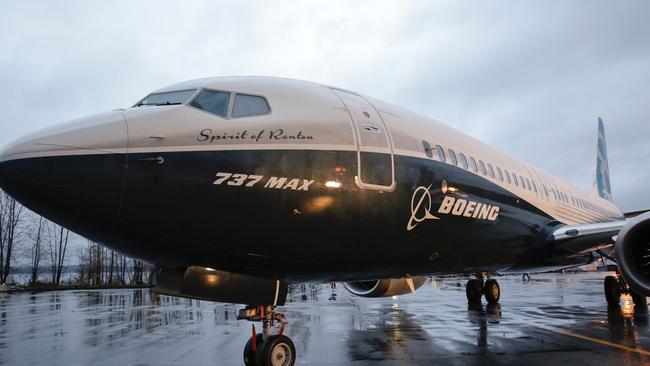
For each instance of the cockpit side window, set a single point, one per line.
(249, 105)
(166, 98)
(212, 101)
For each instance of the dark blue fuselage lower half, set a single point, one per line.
(279, 213)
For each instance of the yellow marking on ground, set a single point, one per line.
(594, 340)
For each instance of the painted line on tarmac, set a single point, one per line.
(592, 339)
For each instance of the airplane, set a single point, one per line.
(237, 187)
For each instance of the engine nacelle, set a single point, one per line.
(212, 285)
(633, 253)
(383, 288)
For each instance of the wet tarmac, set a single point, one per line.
(552, 319)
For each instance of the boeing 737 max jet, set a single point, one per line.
(235, 187)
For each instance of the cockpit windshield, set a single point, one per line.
(166, 98)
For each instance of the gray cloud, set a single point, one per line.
(530, 78)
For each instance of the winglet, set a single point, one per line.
(602, 185)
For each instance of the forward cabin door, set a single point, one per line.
(376, 165)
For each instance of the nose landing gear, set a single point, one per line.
(476, 288)
(267, 348)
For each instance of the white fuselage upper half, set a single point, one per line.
(307, 116)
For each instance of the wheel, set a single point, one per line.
(639, 300)
(492, 291)
(474, 291)
(612, 291)
(249, 355)
(277, 350)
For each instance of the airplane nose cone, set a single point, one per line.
(72, 174)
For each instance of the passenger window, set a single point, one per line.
(521, 182)
(212, 101)
(472, 164)
(528, 184)
(249, 105)
(441, 153)
(463, 160)
(514, 179)
(534, 186)
(499, 174)
(481, 165)
(507, 176)
(452, 157)
(490, 170)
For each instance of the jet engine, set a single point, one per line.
(213, 285)
(384, 288)
(633, 253)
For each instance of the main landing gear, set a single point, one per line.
(267, 348)
(615, 286)
(477, 288)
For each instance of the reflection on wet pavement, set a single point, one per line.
(561, 319)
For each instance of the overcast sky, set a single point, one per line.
(528, 77)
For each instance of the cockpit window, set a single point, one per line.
(249, 105)
(166, 98)
(212, 101)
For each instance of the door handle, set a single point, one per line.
(157, 160)
(158, 137)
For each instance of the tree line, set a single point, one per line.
(43, 246)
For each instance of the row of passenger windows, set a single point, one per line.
(217, 102)
(469, 163)
(485, 169)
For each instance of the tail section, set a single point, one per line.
(602, 186)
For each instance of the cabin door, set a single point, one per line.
(376, 166)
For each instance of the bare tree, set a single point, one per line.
(137, 272)
(58, 243)
(83, 267)
(110, 268)
(94, 260)
(11, 217)
(36, 250)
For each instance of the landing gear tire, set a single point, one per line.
(249, 354)
(639, 300)
(492, 291)
(277, 350)
(612, 291)
(474, 291)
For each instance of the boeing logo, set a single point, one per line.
(421, 207)
(422, 196)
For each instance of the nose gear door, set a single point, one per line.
(376, 165)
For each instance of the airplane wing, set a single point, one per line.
(634, 213)
(581, 239)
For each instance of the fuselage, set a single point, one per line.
(324, 184)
